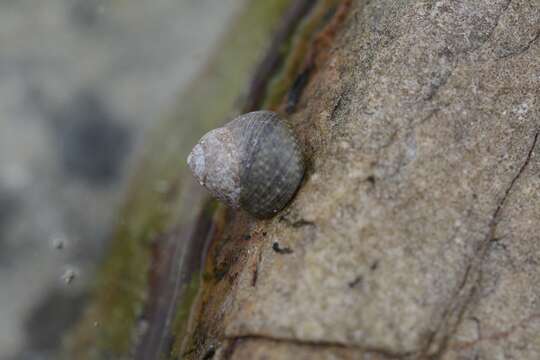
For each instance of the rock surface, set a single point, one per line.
(416, 231)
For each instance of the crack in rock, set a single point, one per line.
(234, 341)
(473, 274)
(497, 335)
(522, 50)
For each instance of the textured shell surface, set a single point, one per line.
(253, 162)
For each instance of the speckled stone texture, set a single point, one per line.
(417, 231)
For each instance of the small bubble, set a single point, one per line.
(96, 324)
(69, 275)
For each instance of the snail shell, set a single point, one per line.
(253, 163)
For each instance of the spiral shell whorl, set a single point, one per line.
(271, 166)
(253, 162)
(215, 162)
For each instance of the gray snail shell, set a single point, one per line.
(253, 163)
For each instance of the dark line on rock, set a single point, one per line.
(302, 223)
(339, 102)
(514, 180)
(256, 270)
(280, 250)
(296, 223)
(231, 347)
(320, 344)
(474, 268)
(255, 276)
(293, 97)
(358, 280)
(505, 8)
(524, 49)
(497, 335)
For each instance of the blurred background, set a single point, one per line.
(81, 81)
